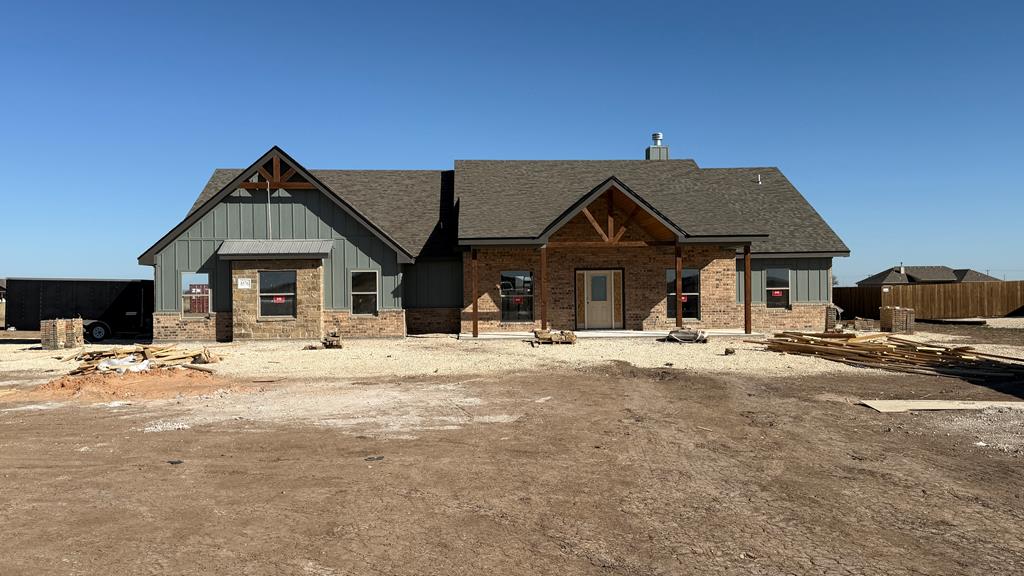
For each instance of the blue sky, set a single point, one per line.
(900, 121)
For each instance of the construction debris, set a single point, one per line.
(908, 405)
(686, 336)
(141, 358)
(897, 354)
(553, 337)
(332, 340)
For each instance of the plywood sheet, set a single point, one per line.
(908, 405)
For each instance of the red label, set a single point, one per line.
(517, 300)
(682, 298)
(278, 299)
(776, 292)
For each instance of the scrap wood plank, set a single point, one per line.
(908, 405)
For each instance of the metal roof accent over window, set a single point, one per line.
(259, 249)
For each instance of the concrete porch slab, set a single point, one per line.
(584, 334)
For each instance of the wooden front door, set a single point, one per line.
(600, 296)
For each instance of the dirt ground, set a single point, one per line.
(591, 466)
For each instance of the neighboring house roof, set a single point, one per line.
(924, 274)
(968, 275)
(519, 198)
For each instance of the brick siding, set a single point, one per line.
(307, 323)
(432, 320)
(172, 326)
(386, 323)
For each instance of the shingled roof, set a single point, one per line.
(426, 211)
(925, 275)
(518, 199)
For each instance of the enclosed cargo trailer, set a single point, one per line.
(108, 308)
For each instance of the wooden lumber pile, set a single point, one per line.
(165, 356)
(888, 352)
(554, 337)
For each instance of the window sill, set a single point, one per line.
(196, 318)
(517, 323)
(276, 319)
(374, 315)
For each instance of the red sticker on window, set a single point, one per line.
(517, 300)
(682, 298)
(776, 292)
(278, 299)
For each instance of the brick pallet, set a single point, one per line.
(61, 333)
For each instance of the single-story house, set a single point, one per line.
(925, 275)
(276, 250)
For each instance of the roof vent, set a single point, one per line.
(657, 151)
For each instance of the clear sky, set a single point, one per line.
(901, 122)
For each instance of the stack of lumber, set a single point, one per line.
(888, 352)
(168, 356)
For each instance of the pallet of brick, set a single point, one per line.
(61, 333)
(896, 319)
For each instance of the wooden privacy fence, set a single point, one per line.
(935, 301)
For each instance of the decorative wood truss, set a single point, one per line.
(270, 174)
(631, 217)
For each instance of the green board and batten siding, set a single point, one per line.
(809, 278)
(294, 214)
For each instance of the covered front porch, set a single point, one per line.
(610, 265)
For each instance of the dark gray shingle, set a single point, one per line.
(499, 198)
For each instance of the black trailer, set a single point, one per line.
(108, 308)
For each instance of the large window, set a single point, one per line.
(516, 290)
(364, 292)
(277, 293)
(689, 298)
(776, 284)
(195, 294)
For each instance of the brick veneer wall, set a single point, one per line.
(386, 323)
(643, 286)
(646, 306)
(308, 321)
(172, 326)
(432, 320)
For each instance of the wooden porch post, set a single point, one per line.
(476, 294)
(544, 287)
(679, 285)
(748, 291)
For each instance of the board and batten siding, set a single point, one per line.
(294, 214)
(433, 284)
(809, 278)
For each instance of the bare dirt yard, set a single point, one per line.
(438, 456)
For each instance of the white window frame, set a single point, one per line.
(260, 294)
(208, 295)
(352, 293)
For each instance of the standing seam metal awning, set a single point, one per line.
(259, 249)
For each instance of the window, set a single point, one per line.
(776, 284)
(277, 293)
(364, 292)
(690, 296)
(516, 291)
(195, 294)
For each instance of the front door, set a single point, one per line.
(599, 298)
